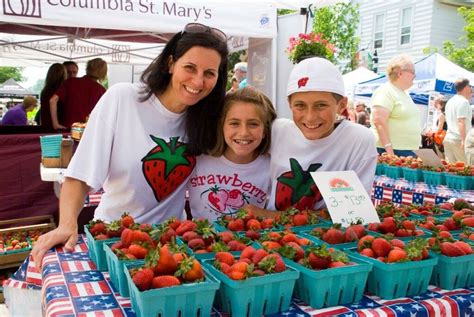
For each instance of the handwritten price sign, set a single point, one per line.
(345, 197)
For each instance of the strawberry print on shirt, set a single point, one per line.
(167, 166)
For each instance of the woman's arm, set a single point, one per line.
(380, 117)
(53, 106)
(73, 194)
(441, 121)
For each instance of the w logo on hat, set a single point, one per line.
(302, 82)
(24, 8)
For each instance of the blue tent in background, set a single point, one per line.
(433, 73)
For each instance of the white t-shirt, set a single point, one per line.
(117, 137)
(350, 146)
(219, 186)
(457, 107)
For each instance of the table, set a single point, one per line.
(71, 286)
(56, 175)
(401, 191)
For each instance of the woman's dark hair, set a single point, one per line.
(54, 78)
(202, 118)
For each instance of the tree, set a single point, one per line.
(338, 24)
(463, 55)
(11, 72)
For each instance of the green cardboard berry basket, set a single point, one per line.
(453, 272)
(193, 299)
(256, 296)
(458, 181)
(331, 287)
(380, 169)
(96, 250)
(393, 171)
(412, 174)
(116, 269)
(395, 280)
(433, 178)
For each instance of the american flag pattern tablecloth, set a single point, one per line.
(71, 286)
(400, 191)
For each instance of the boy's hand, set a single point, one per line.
(260, 212)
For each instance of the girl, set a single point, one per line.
(237, 170)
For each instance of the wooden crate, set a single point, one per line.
(14, 259)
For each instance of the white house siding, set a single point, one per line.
(432, 23)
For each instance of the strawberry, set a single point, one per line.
(271, 245)
(114, 229)
(396, 255)
(388, 225)
(236, 275)
(236, 225)
(468, 221)
(288, 237)
(165, 281)
(259, 255)
(185, 226)
(101, 236)
(235, 245)
(398, 243)
(161, 261)
(381, 247)
(451, 249)
(464, 246)
(138, 251)
(272, 263)
(368, 252)
(190, 235)
(300, 220)
(337, 264)
(167, 166)
(248, 252)
(190, 270)
(333, 236)
(296, 188)
(127, 221)
(408, 224)
(253, 224)
(225, 257)
(97, 227)
(267, 223)
(143, 278)
(254, 235)
(226, 236)
(196, 244)
(318, 257)
(365, 242)
(299, 251)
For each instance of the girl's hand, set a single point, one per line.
(260, 212)
(59, 236)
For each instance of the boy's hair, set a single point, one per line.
(264, 107)
(460, 84)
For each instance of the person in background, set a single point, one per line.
(54, 78)
(458, 118)
(361, 114)
(17, 114)
(439, 124)
(240, 72)
(71, 68)
(395, 119)
(78, 96)
(141, 139)
(234, 84)
(240, 155)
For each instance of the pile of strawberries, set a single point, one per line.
(166, 268)
(244, 220)
(396, 226)
(321, 257)
(444, 243)
(459, 168)
(286, 243)
(393, 250)
(293, 217)
(337, 235)
(252, 262)
(101, 230)
(19, 239)
(467, 235)
(402, 161)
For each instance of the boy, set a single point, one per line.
(314, 140)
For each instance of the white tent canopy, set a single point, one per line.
(80, 30)
(351, 79)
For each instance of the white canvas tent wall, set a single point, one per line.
(145, 22)
(351, 79)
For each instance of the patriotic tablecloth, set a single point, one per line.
(404, 192)
(71, 286)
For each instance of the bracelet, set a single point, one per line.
(387, 145)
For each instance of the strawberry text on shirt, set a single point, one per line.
(233, 182)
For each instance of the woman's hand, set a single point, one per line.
(59, 236)
(59, 126)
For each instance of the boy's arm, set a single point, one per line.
(260, 212)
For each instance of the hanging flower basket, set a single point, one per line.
(309, 45)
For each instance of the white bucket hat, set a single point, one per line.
(315, 74)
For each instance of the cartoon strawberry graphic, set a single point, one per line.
(236, 199)
(167, 166)
(217, 197)
(296, 188)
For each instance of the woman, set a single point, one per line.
(54, 78)
(395, 119)
(78, 95)
(441, 125)
(133, 144)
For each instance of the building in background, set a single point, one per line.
(406, 26)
